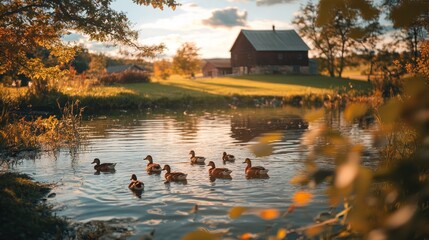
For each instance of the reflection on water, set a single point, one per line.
(248, 125)
(83, 195)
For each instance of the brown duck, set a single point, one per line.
(196, 159)
(218, 172)
(228, 157)
(152, 167)
(135, 184)
(104, 166)
(173, 176)
(255, 171)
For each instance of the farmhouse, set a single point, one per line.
(217, 67)
(269, 51)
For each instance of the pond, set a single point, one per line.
(83, 194)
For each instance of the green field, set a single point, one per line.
(179, 92)
(251, 85)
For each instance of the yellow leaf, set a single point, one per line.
(314, 115)
(236, 212)
(344, 234)
(270, 137)
(299, 179)
(246, 236)
(269, 214)
(302, 198)
(200, 234)
(262, 149)
(281, 233)
(390, 112)
(355, 110)
(313, 231)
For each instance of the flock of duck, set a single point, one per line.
(214, 172)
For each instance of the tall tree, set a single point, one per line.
(412, 18)
(28, 25)
(335, 27)
(162, 69)
(186, 60)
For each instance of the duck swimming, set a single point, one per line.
(228, 157)
(104, 166)
(173, 176)
(196, 159)
(135, 184)
(256, 171)
(152, 167)
(218, 172)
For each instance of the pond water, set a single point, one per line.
(126, 139)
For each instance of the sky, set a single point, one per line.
(212, 25)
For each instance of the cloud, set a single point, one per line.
(73, 37)
(272, 2)
(265, 2)
(228, 17)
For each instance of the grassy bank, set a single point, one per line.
(23, 216)
(180, 92)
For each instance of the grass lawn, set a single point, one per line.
(254, 85)
(179, 91)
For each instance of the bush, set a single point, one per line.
(125, 77)
(133, 77)
(108, 79)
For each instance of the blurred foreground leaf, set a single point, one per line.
(236, 212)
(263, 146)
(281, 233)
(390, 112)
(302, 198)
(262, 149)
(313, 231)
(201, 234)
(269, 214)
(314, 115)
(355, 110)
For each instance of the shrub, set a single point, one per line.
(125, 77)
(108, 79)
(133, 77)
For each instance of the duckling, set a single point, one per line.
(104, 166)
(173, 176)
(218, 172)
(152, 167)
(256, 171)
(135, 184)
(228, 157)
(196, 159)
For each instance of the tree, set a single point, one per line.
(29, 25)
(162, 69)
(335, 27)
(186, 60)
(81, 60)
(98, 64)
(412, 19)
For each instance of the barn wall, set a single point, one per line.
(242, 53)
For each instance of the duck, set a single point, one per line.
(196, 159)
(256, 171)
(218, 172)
(135, 184)
(103, 166)
(173, 176)
(152, 167)
(228, 157)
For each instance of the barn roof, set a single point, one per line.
(122, 68)
(275, 40)
(220, 62)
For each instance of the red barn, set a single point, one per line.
(269, 51)
(217, 67)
